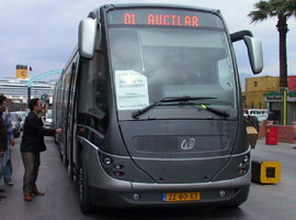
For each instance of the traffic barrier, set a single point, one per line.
(266, 172)
(287, 134)
(271, 135)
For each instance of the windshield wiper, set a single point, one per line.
(137, 113)
(214, 110)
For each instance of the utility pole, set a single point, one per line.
(29, 93)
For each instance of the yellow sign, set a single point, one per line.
(180, 197)
(21, 71)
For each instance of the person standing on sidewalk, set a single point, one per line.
(31, 146)
(7, 172)
(3, 139)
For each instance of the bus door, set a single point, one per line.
(70, 116)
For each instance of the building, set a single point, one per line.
(265, 93)
(255, 88)
(292, 83)
(17, 90)
(283, 102)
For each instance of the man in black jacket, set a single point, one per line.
(31, 146)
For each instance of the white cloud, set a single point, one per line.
(44, 33)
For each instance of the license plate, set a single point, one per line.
(181, 197)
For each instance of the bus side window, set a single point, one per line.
(88, 87)
(100, 89)
(100, 94)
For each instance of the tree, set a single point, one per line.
(283, 10)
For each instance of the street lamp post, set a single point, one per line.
(285, 107)
(29, 94)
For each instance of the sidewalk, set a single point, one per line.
(282, 152)
(61, 197)
(262, 143)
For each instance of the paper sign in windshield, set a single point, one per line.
(131, 90)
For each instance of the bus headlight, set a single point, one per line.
(116, 169)
(107, 160)
(244, 165)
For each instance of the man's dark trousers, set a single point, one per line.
(31, 163)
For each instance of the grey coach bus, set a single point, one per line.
(151, 108)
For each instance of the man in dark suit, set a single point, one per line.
(31, 146)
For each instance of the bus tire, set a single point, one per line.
(84, 197)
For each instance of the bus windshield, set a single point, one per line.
(170, 58)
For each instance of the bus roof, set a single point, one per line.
(183, 5)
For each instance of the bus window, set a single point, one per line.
(175, 62)
(93, 82)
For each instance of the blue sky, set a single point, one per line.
(44, 33)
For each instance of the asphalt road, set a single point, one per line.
(268, 202)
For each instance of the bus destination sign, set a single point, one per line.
(162, 20)
(163, 17)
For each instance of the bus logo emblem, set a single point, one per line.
(187, 144)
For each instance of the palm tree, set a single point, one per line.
(283, 10)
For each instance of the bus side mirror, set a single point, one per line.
(87, 35)
(255, 53)
(254, 49)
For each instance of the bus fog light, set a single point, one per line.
(222, 193)
(136, 196)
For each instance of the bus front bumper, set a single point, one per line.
(231, 192)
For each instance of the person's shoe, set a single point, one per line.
(2, 190)
(9, 183)
(2, 197)
(28, 198)
(38, 193)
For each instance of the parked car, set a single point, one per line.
(48, 120)
(22, 115)
(16, 124)
(260, 114)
